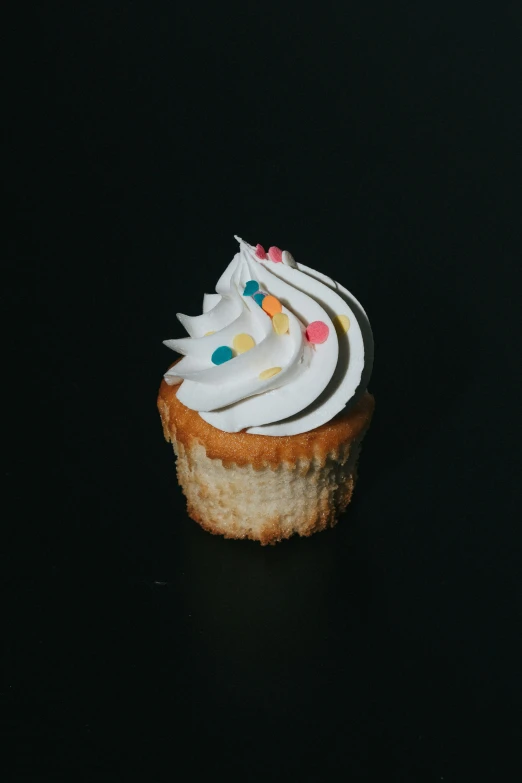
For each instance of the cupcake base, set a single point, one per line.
(262, 487)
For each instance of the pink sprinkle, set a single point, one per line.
(317, 332)
(275, 254)
(260, 251)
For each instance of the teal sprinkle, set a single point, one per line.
(222, 354)
(259, 298)
(250, 288)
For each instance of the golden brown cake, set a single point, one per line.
(261, 487)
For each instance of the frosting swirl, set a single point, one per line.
(280, 348)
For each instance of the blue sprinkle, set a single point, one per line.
(259, 298)
(250, 288)
(222, 354)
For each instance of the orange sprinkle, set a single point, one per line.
(271, 305)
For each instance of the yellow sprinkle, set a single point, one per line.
(242, 343)
(280, 323)
(342, 324)
(207, 333)
(269, 373)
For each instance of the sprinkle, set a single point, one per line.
(251, 287)
(222, 354)
(207, 333)
(271, 305)
(288, 259)
(280, 323)
(260, 251)
(275, 254)
(259, 298)
(243, 343)
(342, 324)
(317, 332)
(269, 373)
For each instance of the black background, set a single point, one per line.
(381, 145)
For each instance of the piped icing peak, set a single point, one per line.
(280, 348)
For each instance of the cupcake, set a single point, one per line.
(268, 406)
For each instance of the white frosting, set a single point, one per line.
(315, 382)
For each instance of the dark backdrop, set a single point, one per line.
(381, 145)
